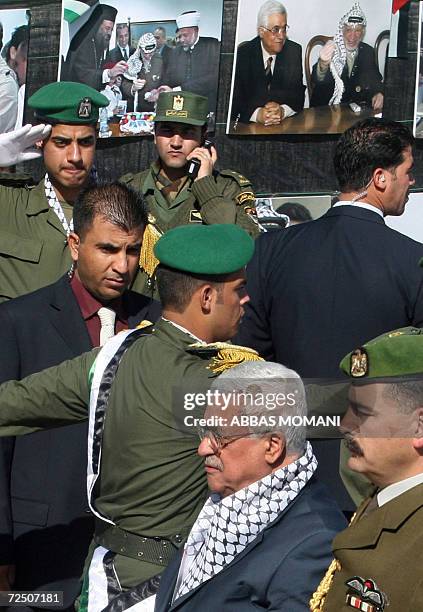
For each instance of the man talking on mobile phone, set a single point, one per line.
(179, 191)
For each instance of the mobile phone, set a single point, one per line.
(194, 163)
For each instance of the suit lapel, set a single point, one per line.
(66, 317)
(227, 567)
(258, 71)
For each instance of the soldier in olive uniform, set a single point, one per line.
(152, 483)
(175, 197)
(35, 222)
(376, 557)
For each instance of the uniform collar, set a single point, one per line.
(394, 490)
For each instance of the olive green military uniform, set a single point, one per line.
(33, 242)
(384, 546)
(152, 482)
(33, 245)
(223, 197)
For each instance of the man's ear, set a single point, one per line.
(379, 179)
(274, 448)
(74, 242)
(207, 297)
(12, 53)
(418, 430)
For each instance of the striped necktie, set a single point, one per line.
(268, 72)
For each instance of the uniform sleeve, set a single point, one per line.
(55, 397)
(225, 199)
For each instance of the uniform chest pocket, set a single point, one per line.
(25, 249)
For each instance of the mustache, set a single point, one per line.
(214, 462)
(353, 445)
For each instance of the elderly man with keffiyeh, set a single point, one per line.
(263, 537)
(346, 70)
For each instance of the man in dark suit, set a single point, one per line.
(194, 63)
(268, 84)
(263, 538)
(346, 70)
(122, 51)
(319, 289)
(45, 528)
(163, 48)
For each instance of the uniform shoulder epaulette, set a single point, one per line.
(239, 178)
(127, 178)
(145, 323)
(10, 179)
(223, 355)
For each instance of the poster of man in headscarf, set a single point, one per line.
(132, 51)
(14, 43)
(306, 67)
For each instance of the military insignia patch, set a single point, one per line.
(359, 365)
(245, 196)
(195, 216)
(178, 103)
(85, 108)
(394, 334)
(365, 595)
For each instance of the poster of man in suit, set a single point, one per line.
(300, 67)
(153, 48)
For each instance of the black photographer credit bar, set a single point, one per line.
(36, 599)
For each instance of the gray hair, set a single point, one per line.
(271, 382)
(271, 7)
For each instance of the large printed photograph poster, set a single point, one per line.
(131, 50)
(302, 67)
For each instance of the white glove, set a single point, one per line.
(18, 146)
(326, 52)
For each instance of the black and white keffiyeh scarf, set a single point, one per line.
(226, 526)
(340, 56)
(54, 203)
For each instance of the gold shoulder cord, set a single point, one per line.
(229, 355)
(148, 261)
(317, 600)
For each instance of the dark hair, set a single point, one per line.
(296, 212)
(367, 145)
(20, 36)
(176, 288)
(116, 202)
(162, 30)
(120, 26)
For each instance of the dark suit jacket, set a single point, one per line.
(115, 55)
(250, 86)
(279, 570)
(323, 288)
(360, 86)
(196, 70)
(383, 546)
(44, 522)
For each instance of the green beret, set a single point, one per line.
(67, 102)
(182, 107)
(396, 353)
(205, 249)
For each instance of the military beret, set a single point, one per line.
(182, 107)
(394, 354)
(67, 102)
(205, 249)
